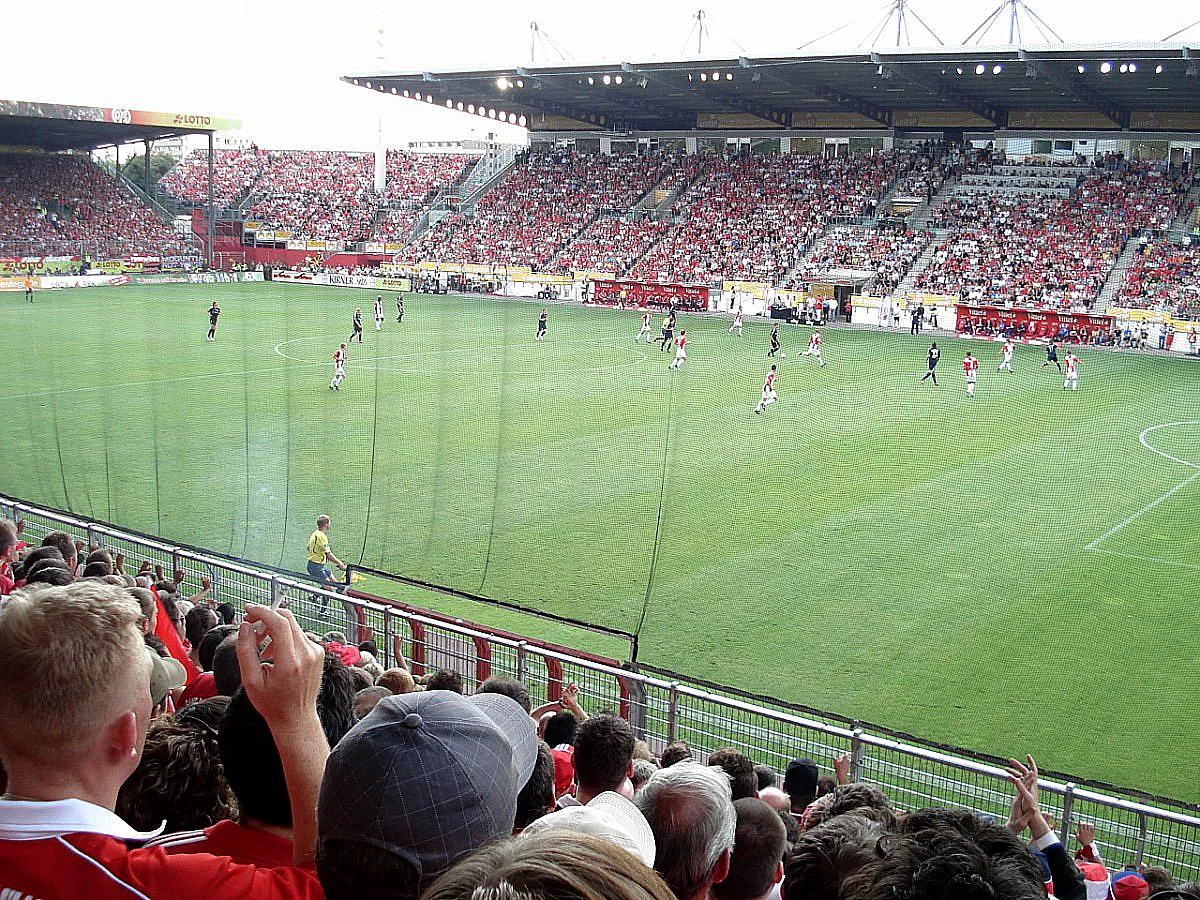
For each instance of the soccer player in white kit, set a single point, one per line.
(339, 368)
(1006, 362)
(814, 348)
(680, 351)
(737, 322)
(647, 318)
(379, 314)
(970, 370)
(1072, 377)
(768, 393)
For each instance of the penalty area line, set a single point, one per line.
(1161, 498)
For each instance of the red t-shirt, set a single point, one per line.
(44, 854)
(227, 838)
(970, 364)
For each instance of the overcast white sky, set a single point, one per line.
(275, 65)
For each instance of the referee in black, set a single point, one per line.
(934, 355)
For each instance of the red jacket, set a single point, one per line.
(69, 849)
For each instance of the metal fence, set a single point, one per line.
(1131, 829)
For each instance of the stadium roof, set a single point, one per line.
(54, 126)
(1143, 87)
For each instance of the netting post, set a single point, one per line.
(276, 592)
(857, 751)
(1140, 852)
(1064, 830)
(672, 712)
(387, 637)
(521, 645)
(216, 585)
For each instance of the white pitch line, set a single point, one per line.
(1153, 559)
(1161, 498)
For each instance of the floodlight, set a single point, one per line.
(997, 69)
(980, 69)
(607, 79)
(1105, 67)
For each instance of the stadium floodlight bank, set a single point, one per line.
(1137, 829)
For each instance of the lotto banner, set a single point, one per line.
(659, 296)
(1028, 324)
(394, 284)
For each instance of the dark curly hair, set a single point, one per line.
(179, 779)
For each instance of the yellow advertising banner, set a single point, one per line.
(530, 278)
(589, 275)
(756, 289)
(395, 284)
(1150, 315)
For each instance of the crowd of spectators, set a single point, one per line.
(160, 746)
(611, 245)
(1044, 250)
(887, 253)
(751, 217)
(234, 174)
(1164, 276)
(319, 194)
(541, 205)
(56, 204)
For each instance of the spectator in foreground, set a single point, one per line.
(444, 680)
(554, 866)
(675, 752)
(742, 777)
(433, 777)
(261, 832)
(537, 798)
(756, 865)
(398, 681)
(694, 823)
(834, 861)
(800, 784)
(603, 757)
(74, 749)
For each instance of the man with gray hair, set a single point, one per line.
(693, 819)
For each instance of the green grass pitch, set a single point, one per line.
(1014, 572)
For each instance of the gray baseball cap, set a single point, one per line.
(429, 777)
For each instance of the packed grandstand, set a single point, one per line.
(986, 230)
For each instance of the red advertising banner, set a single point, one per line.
(1027, 325)
(656, 296)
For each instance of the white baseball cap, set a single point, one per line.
(608, 816)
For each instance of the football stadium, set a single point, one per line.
(812, 434)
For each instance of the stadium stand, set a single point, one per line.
(544, 202)
(1016, 239)
(1164, 276)
(322, 195)
(886, 253)
(750, 218)
(234, 174)
(60, 203)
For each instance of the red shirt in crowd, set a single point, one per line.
(248, 846)
(71, 848)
